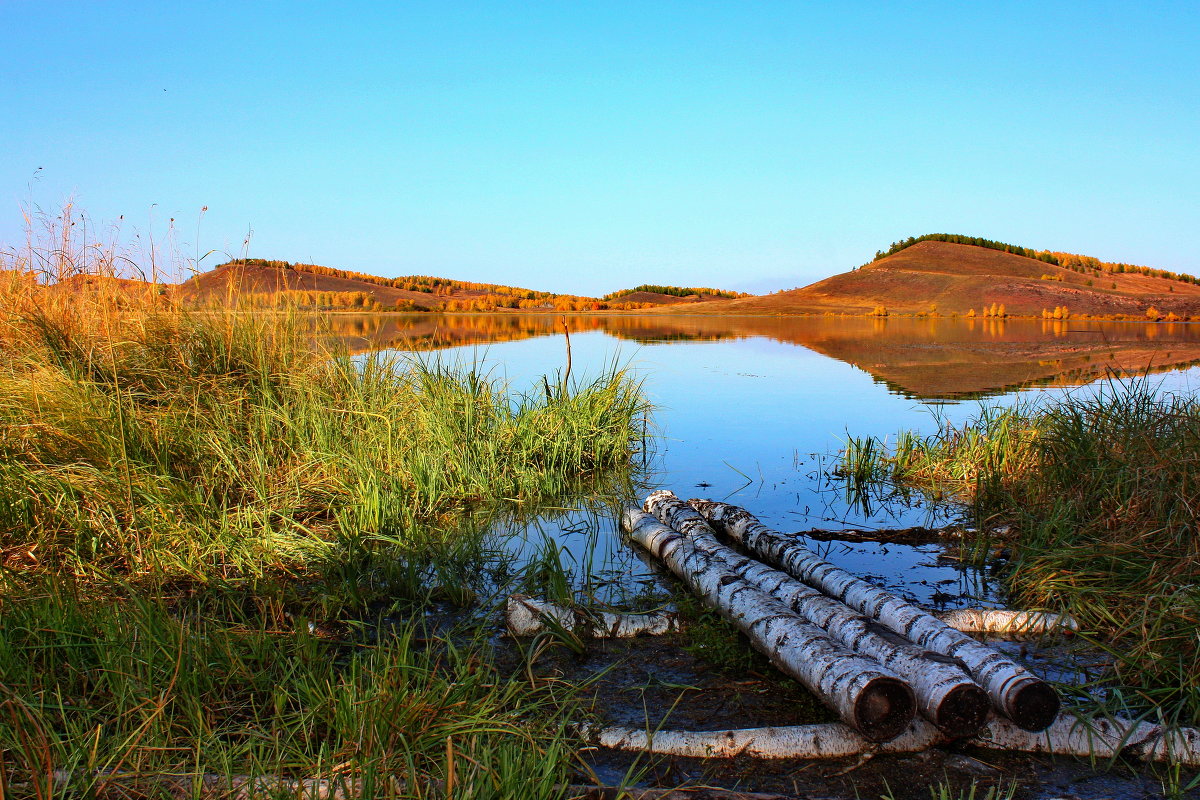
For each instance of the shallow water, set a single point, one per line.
(753, 410)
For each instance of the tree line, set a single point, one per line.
(1071, 261)
(676, 291)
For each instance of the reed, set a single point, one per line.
(227, 549)
(1101, 494)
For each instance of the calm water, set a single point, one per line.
(753, 410)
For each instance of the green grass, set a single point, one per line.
(225, 550)
(1102, 492)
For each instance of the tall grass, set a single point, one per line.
(184, 446)
(226, 549)
(1102, 493)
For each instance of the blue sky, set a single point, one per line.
(584, 147)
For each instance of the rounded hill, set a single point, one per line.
(951, 278)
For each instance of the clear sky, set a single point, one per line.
(585, 147)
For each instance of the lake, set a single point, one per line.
(753, 410)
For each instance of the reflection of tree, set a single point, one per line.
(921, 357)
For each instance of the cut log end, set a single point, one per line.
(963, 711)
(1034, 706)
(884, 709)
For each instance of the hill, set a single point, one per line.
(948, 277)
(262, 281)
(671, 295)
(242, 279)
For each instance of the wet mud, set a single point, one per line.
(655, 682)
(667, 682)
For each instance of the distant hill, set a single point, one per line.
(260, 280)
(241, 279)
(946, 277)
(671, 295)
(936, 274)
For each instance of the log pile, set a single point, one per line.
(952, 677)
(899, 678)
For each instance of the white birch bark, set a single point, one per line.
(1068, 735)
(527, 617)
(1071, 735)
(945, 693)
(1002, 622)
(828, 740)
(1015, 692)
(1172, 745)
(867, 696)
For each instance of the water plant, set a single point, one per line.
(1097, 494)
(228, 550)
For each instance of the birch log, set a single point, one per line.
(826, 740)
(1001, 622)
(1028, 701)
(867, 696)
(945, 693)
(1068, 735)
(526, 617)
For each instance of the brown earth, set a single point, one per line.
(927, 278)
(220, 282)
(951, 278)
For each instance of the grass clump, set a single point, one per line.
(1102, 492)
(225, 550)
(192, 446)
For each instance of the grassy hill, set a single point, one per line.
(671, 295)
(939, 274)
(945, 277)
(263, 281)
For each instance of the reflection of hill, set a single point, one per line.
(924, 357)
(362, 332)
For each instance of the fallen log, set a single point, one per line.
(1068, 735)
(1002, 622)
(867, 696)
(527, 617)
(827, 740)
(945, 693)
(1030, 702)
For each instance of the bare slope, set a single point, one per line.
(956, 278)
(237, 279)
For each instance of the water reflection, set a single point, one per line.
(753, 410)
(921, 358)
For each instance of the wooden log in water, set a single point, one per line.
(1068, 735)
(945, 693)
(1002, 622)
(866, 695)
(527, 617)
(1021, 696)
(825, 740)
